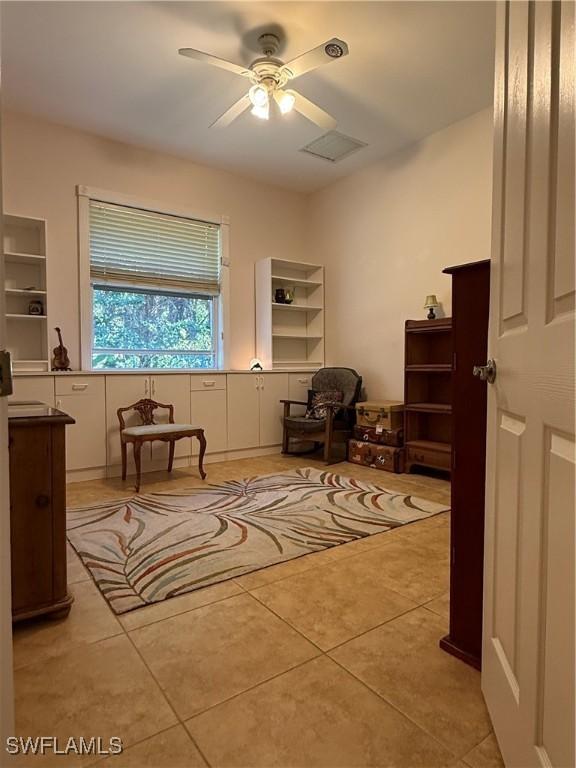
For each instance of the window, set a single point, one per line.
(154, 287)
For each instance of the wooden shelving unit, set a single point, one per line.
(290, 335)
(428, 394)
(25, 273)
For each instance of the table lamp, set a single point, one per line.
(430, 304)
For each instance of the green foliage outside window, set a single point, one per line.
(143, 329)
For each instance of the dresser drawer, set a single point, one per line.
(202, 383)
(79, 385)
(428, 457)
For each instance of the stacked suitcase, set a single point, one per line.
(378, 436)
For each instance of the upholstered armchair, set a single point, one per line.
(337, 424)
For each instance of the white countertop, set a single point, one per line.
(160, 372)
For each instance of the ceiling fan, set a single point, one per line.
(270, 75)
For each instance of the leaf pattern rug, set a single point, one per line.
(154, 546)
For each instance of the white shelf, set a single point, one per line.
(18, 316)
(301, 266)
(279, 363)
(295, 336)
(23, 258)
(24, 246)
(31, 366)
(290, 335)
(24, 292)
(296, 281)
(296, 307)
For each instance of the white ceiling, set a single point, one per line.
(112, 68)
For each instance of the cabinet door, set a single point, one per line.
(298, 386)
(243, 411)
(83, 398)
(34, 388)
(31, 528)
(208, 410)
(173, 389)
(273, 388)
(123, 390)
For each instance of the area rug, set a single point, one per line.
(151, 547)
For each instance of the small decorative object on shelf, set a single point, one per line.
(255, 364)
(35, 308)
(289, 295)
(431, 304)
(280, 296)
(60, 359)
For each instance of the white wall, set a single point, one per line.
(386, 233)
(43, 163)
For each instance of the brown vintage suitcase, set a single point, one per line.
(376, 456)
(380, 435)
(388, 414)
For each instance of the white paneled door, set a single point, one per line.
(528, 655)
(243, 399)
(173, 389)
(273, 388)
(122, 390)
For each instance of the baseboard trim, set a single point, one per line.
(181, 462)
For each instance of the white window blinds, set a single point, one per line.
(131, 245)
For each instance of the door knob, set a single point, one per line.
(486, 372)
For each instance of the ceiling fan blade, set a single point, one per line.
(233, 112)
(331, 50)
(313, 112)
(207, 58)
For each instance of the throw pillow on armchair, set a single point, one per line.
(317, 403)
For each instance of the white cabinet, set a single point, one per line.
(243, 411)
(83, 398)
(273, 388)
(122, 390)
(298, 386)
(208, 410)
(174, 389)
(254, 409)
(39, 388)
(238, 411)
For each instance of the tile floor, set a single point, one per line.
(328, 660)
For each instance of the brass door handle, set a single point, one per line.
(486, 372)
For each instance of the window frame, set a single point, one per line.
(221, 300)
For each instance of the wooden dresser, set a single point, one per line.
(470, 306)
(38, 510)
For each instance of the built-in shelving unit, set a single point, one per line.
(428, 393)
(25, 282)
(290, 335)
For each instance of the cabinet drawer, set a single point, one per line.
(201, 383)
(40, 388)
(80, 385)
(300, 380)
(429, 457)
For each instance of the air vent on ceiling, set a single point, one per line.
(333, 146)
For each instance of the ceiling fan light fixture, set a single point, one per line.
(258, 95)
(261, 110)
(285, 101)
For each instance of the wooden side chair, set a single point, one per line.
(149, 431)
(337, 424)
